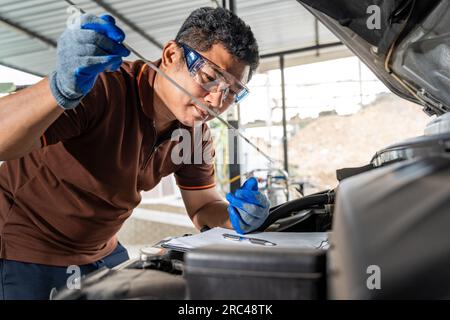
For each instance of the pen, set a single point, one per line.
(251, 240)
(205, 228)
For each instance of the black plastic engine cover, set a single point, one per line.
(141, 284)
(396, 218)
(224, 272)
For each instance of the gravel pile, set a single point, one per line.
(334, 142)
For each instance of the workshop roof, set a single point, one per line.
(29, 29)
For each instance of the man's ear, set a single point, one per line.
(171, 55)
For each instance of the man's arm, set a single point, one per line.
(206, 208)
(84, 51)
(24, 116)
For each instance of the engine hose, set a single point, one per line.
(313, 194)
(283, 210)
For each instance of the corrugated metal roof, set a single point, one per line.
(278, 26)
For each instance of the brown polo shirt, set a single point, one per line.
(64, 203)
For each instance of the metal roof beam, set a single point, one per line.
(128, 22)
(299, 50)
(230, 5)
(19, 28)
(34, 73)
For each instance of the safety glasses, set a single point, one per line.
(212, 78)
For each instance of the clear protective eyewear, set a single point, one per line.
(212, 78)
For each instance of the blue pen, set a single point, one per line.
(251, 240)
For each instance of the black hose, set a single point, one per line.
(312, 194)
(283, 210)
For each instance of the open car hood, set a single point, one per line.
(406, 43)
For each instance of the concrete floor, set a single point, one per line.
(153, 221)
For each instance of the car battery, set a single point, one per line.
(227, 272)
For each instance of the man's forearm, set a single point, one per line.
(213, 214)
(24, 116)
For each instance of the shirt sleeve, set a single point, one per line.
(198, 176)
(74, 122)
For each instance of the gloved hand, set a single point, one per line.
(248, 208)
(85, 49)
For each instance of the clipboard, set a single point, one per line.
(282, 240)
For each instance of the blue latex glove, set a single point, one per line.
(248, 208)
(85, 49)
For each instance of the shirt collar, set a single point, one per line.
(146, 84)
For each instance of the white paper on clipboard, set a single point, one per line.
(292, 240)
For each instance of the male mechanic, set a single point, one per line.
(83, 143)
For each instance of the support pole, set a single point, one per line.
(234, 167)
(283, 106)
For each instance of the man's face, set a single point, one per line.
(184, 109)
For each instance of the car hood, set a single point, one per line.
(406, 43)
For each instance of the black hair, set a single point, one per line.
(207, 26)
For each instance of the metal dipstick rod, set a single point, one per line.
(179, 87)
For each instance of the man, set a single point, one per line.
(81, 144)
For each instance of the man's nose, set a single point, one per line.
(215, 99)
